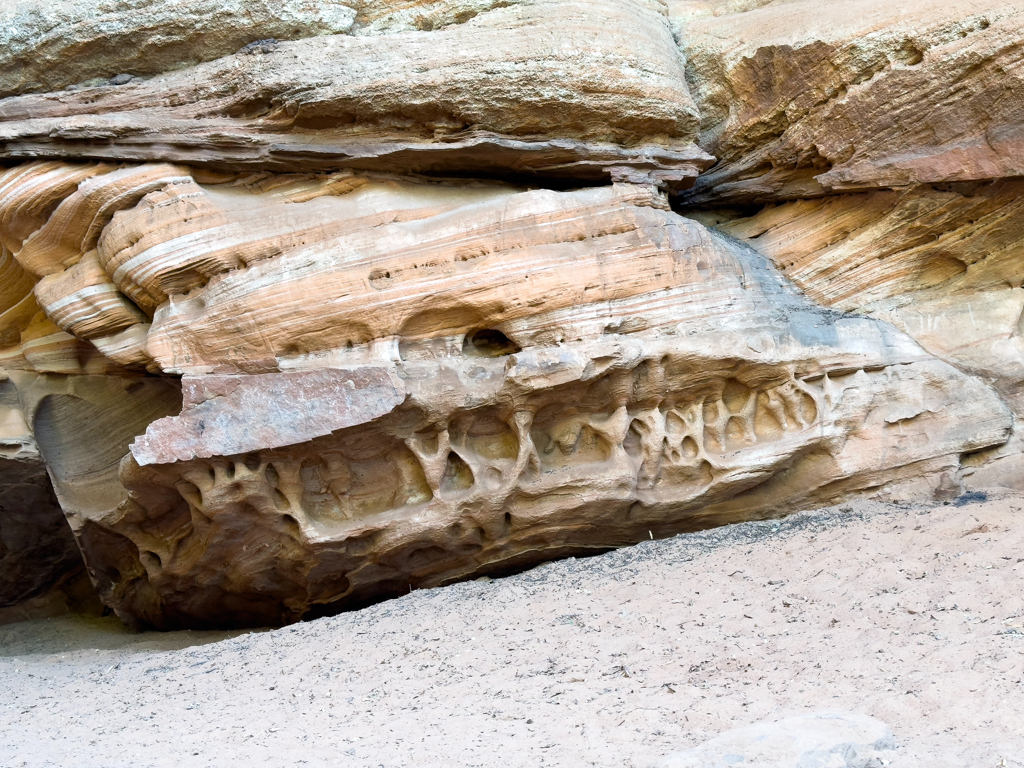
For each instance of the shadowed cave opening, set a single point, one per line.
(488, 342)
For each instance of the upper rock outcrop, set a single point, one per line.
(476, 97)
(89, 43)
(801, 98)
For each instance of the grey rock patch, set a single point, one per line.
(260, 46)
(816, 740)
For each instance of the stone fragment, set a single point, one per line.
(800, 98)
(819, 740)
(294, 408)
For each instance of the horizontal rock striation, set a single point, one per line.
(472, 98)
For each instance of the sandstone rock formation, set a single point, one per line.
(49, 46)
(428, 296)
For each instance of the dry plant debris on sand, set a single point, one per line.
(910, 614)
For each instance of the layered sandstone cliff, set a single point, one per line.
(434, 290)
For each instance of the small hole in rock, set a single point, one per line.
(488, 342)
(154, 557)
(457, 474)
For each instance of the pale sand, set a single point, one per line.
(913, 615)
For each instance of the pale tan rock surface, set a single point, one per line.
(88, 43)
(82, 425)
(492, 353)
(37, 551)
(178, 238)
(673, 422)
(943, 265)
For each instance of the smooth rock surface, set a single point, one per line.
(293, 407)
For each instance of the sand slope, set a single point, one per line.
(914, 615)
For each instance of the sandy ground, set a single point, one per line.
(914, 615)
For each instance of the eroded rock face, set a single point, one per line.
(83, 425)
(801, 98)
(656, 377)
(941, 264)
(425, 296)
(49, 46)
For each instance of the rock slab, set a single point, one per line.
(817, 740)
